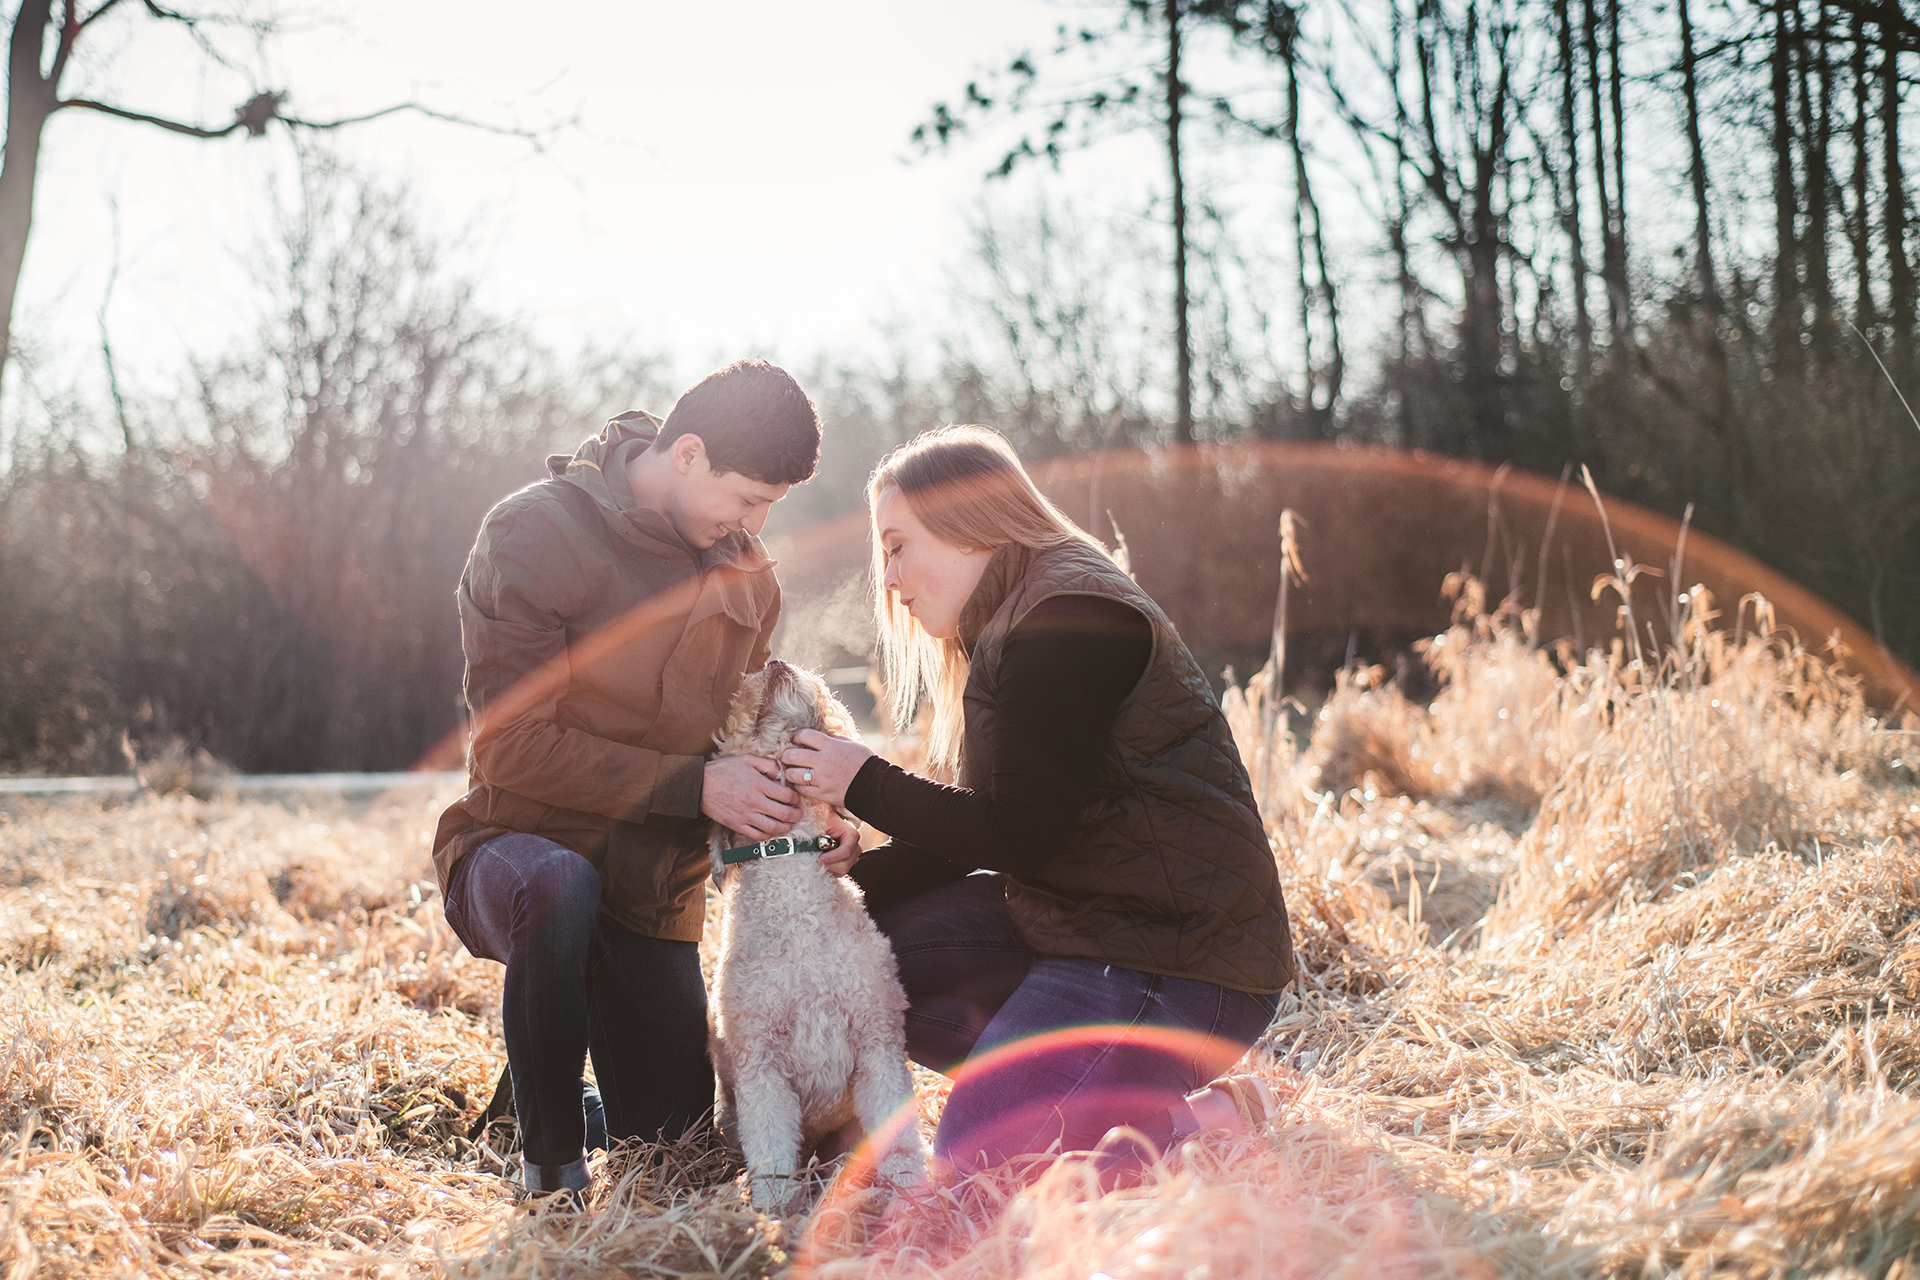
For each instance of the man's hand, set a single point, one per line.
(842, 856)
(744, 794)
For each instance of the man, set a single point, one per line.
(608, 614)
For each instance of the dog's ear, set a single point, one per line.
(831, 713)
(839, 720)
(716, 845)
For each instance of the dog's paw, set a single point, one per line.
(778, 1195)
(903, 1168)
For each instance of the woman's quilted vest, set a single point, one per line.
(1168, 870)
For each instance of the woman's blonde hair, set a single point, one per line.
(966, 485)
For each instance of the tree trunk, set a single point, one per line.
(1900, 291)
(1591, 38)
(1486, 314)
(30, 99)
(1335, 372)
(1857, 223)
(1301, 283)
(1618, 294)
(1786, 263)
(1816, 127)
(1712, 350)
(1708, 287)
(1306, 214)
(1183, 338)
(1410, 317)
(1570, 135)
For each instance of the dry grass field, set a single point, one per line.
(1612, 968)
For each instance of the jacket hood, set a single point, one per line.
(599, 469)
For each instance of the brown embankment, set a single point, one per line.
(1381, 530)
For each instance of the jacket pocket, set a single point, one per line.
(516, 812)
(649, 874)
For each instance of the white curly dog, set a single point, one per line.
(807, 1012)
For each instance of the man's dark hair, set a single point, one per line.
(753, 418)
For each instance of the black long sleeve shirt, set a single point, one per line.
(1064, 671)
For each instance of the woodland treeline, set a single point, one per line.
(1671, 241)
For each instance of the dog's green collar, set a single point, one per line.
(778, 847)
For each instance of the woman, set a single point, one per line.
(1090, 922)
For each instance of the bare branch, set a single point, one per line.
(89, 19)
(63, 48)
(1224, 112)
(1891, 19)
(1086, 111)
(257, 112)
(192, 23)
(173, 126)
(1005, 91)
(537, 137)
(106, 341)
(71, 25)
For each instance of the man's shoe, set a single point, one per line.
(501, 1107)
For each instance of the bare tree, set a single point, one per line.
(1900, 281)
(1613, 257)
(1174, 90)
(1786, 261)
(1124, 101)
(34, 96)
(1618, 291)
(1700, 316)
(1704, 281)
(1816, 132)
(1570, 146)
(353, 447)
(1457, 145)
(1273, 28)
(1859, 232)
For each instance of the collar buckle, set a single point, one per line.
(777, 847)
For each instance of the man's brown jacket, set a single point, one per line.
(602, 652)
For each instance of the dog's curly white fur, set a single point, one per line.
(807, 1014)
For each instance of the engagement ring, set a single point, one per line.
(806, 777)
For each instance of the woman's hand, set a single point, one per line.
(842, 856)
(821, 767)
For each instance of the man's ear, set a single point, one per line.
(688, 452)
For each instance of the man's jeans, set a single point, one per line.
(573, 981)
(1048, 1051)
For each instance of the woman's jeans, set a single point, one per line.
(1050, 1053)
(575, 981)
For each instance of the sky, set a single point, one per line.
(739, 180)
